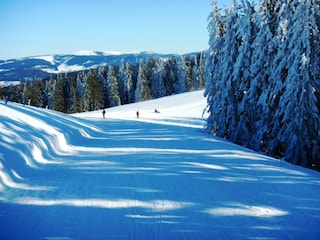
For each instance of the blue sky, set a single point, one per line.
(39, 27)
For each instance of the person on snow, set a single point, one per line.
(137, 113)
(103, 113)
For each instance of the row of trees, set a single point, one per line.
(263, 78)
(109, 86)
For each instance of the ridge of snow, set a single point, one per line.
(48, 58)
(69, 68)
(105, 53)
(85, 53)
(118, 53)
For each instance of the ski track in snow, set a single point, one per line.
(157, 177)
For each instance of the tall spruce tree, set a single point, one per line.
(157, 81)
(58, 95)
(213, 60)
(94, 91)
(121, 82)
(102, 73)
(180, 83)
(81, 91)
(262, 78)
(129, 83)
(113, 87)
(187, 68)
(263, 51)
(198, 72)
(246, 33)
(68, 93)
(224, 110)
(298, 106)
(170, 75)
(142, 92)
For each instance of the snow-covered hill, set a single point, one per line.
(43, 66)
(153, 177)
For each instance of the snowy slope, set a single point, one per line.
(44, 66)
(157, 177)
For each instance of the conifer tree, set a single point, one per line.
(170, 75)
(102, 74)
(25, 92)
(180, 83)
(94, 91)
(68, 93)
(58, 95)
(81, 90)
(246, 33)
(262, 78)
(298, 107)
(263, 51)
(50, 92)
(113, 87)
(121, 82)
(129, 83)
(187, 68)
(142, 92)
(157, 81)
(224, 110)
(213, 62)
(198, 72)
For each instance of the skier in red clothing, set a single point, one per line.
(137, 114)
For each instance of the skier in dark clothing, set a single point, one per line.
(103, 113)
(137, 114)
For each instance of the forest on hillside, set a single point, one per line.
(262, 76)
(109, 86)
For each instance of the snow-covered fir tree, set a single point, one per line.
(213, 62)
(224, 94)
(81, 93)
(198, 71)
(170, 75)
(102, 78)
(121, 82)
(187, 74)
(94, 90)
(246, 33)
(157, 83)
(180, 84)
(298, 107)
(113, 87)
(262, 78)
(260, 71)
(142, 92)
(129, 83)
(58, 95)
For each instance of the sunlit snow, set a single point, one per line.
(158, 176)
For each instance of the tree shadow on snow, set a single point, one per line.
(94, 179)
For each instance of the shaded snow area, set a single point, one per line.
(157, 177)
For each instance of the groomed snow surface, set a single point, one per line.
(157, 177)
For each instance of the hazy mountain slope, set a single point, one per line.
(43, 66)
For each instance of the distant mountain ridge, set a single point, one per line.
(42, 66)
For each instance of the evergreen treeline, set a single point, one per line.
(109, 86)
(263, 78)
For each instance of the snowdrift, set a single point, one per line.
(153, 177)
